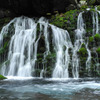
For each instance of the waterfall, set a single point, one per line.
(95, 21)
(80, 31)
(88, 62)
(45, 23)
(24, 46)
(25, 35)
(62, 43)
(24, 43)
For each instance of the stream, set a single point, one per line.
(49, 89)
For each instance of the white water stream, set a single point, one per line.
(24, 44)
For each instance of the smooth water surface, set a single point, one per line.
(50, 89)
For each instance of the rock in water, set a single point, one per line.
(2, 77)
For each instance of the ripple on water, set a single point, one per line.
(48, 89)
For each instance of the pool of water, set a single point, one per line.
(49, 89)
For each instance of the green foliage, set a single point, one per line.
(83, 45)
(98, 50)
(91, 39)
(51, 56)
(97, 37)
(39, 57)
(84, 7)
(68, 19)
(2, 77)
(3, 49)
(49, 71)
(82, 51)
(49, 62)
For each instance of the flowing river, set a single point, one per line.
(49, 89)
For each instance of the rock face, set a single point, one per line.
(35, 7)
(5, 13)
(98, 1)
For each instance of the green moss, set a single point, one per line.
(84, 7)
(51, 56)
(49, 71)
(91, 39)
(82, 51)
(83, 45)
(97, 37)
(68, 19)
(2, 77)
(4, 48)
(98, 50)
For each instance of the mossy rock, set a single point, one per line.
(4, 48)
(98, 50)
(91, 42)
(2, 77)
(65, 20)
(91, 39)
(51, 56)
(97, 37)
(49, 71)
(83, 45)
(82, 51)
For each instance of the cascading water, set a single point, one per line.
(62, 43)
(23, 47)
(77, 45)
(44, 22)
(21, 62)
(96, 30)
(95, 21)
